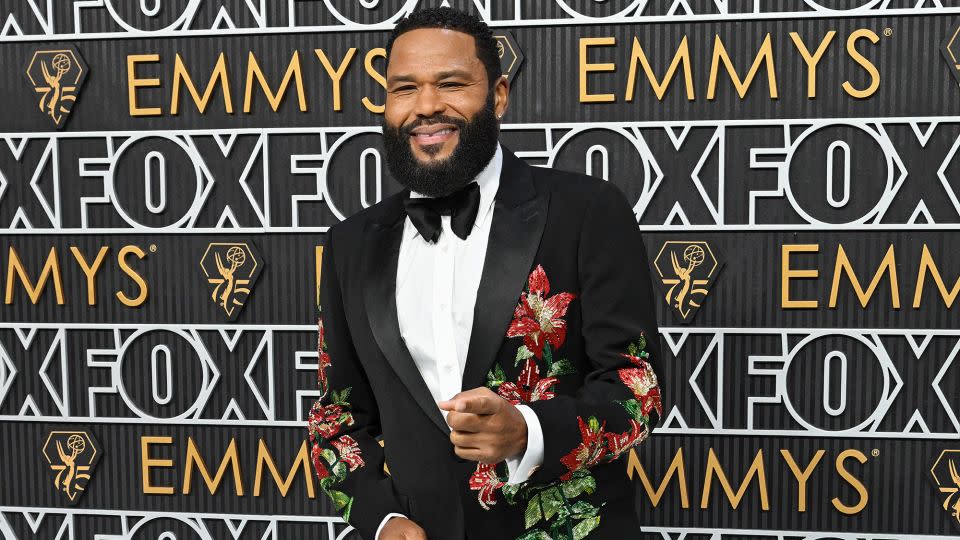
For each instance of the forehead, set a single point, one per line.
(426, 50)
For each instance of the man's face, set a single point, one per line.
(440, 114)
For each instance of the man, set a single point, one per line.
(493, 322)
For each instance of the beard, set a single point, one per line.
(476, 145)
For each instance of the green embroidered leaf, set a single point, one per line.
(340, 471)
(329, 455)
(551, 500)
(559, 528)
(633, 408)
(582, 529)
(532, 514)
(583, 509)
(594, 424)
(561, 367)
(341, 397)
(346, 511)
(536, 534)
(632, 349)
(548, 355)
(327, 482)
(510, 492)
(496, 376)
(340, 499)
(575, 486)
(522, 354)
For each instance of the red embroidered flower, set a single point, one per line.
(327, 420)
(537, 318)
(589, 452)
(318, 464)
(486, 481)
(642, 382)
(618, 443)
(349, 451)
(529, 386)
(324, 359)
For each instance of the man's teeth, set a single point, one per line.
(441, 132)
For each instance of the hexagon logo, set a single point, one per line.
(57, 75)
(71, 457)
(231, 269)
(511, 57)
(687, 271)
(945, 473)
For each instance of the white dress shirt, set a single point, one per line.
(436, 292)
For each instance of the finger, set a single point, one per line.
(465, 440)
(470, 454)
(466, 421)
(482, 404)
(449, 404)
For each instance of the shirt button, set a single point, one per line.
(443, 248)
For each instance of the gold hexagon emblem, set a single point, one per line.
(71, 457)
(57, 75)
(231, 269)
(946, 475)
(687, 270)
(511, 57)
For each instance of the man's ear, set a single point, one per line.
(501, 96)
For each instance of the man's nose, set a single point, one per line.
(429, 102)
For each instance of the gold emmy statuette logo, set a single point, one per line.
(57, 75)
(71, 456)
(687, 271)
(511, 58)
(946, 475)
(231, 269)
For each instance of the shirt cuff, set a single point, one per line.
(384, 522)
(521, 467)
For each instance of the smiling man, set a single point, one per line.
(492, 323)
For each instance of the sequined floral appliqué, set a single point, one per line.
(324, 423)
(553, 510)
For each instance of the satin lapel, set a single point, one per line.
(519, 217)
(381, 252)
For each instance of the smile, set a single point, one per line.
(433, 134)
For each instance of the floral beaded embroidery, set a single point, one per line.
(538, 319)
(324, 422)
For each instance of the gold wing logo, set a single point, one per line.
(947, 478)
(231, 268)
(71, 456)
(57, 75)
(687, 271)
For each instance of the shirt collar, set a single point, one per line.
(489, 180)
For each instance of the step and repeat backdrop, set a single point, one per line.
(168, 169)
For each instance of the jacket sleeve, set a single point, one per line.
(619, 401)
(344, 421)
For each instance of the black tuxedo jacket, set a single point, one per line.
(564, 322)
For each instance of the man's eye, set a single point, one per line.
(450, 85)
(407, 88)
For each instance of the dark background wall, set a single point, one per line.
(787, 190)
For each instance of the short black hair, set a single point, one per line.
(454, 19)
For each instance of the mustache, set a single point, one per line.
(407, 129)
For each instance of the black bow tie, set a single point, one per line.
(462, 206)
